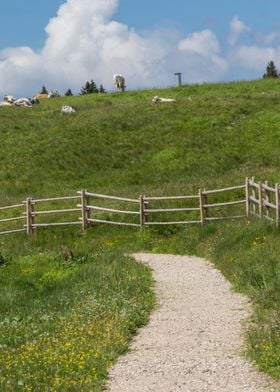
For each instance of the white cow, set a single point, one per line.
(11, 101)
(23, 102)
(119, 81)
(9, 98)
(157, 99)
(53, 94)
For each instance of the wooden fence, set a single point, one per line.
(262, 200)
(86, 208)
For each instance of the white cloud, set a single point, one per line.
(255, 57)
(237, 28)
(269, 38)
(202, 51)
(203, 43)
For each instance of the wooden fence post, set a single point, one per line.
(88, 211)
(201, 206)
(254, 195)
(267, 199)
(30, 218)
(247, 196)
(205, 201)
(142, 211)
(84, 200)
(260, 197)
(145, 210)
(277, 204)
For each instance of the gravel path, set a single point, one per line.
(193, 341)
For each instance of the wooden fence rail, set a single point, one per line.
(85, 208)
(13, 209)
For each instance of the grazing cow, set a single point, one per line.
(157, 99)
(9, 98)
(39, 96)
(119, 81)
(53, 94)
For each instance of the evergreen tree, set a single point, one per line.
(85, 89)
(89, 88)
(271, 71)
(44, 90)
(69, 93)
(102, 89)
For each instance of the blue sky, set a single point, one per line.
(63, 43)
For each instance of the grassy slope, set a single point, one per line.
(123, 144)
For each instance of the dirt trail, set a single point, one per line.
(193, 341)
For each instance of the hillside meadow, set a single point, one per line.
(70, 301)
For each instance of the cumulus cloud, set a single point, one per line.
(84, 42)
(255, 57)
(269, 38)
(203, 43)
(237, 28)
(202, 50)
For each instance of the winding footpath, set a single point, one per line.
(194, 339)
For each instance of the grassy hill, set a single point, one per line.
(117, 142)
(124, 145)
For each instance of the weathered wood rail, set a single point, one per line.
(87, 208)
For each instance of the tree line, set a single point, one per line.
(89, 87)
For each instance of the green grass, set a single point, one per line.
(122, 144)
(127, 143)
(64, 320)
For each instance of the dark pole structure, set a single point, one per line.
(179, 78)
